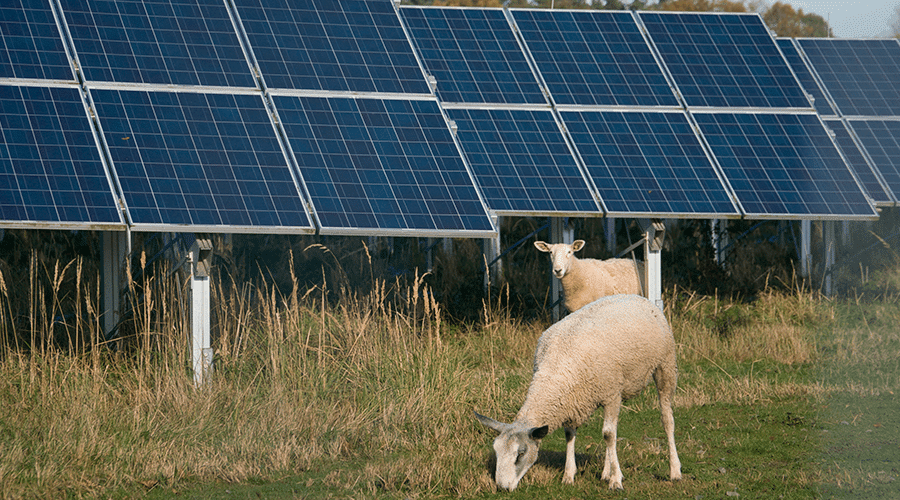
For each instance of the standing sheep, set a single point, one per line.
(597, 356)
(586, 280)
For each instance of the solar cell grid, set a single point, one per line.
(806, 78)
(381, 164)
(473, 54)
(50, 166)
(647, 163)
(593, 58)
(720, 60)
(881, 140)
(861, 76)
(355, 46)
(210, 160)
(521, 161)
(161, 42)
(783, 165)
(30, 42)
(858, 163)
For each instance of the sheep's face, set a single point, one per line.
(561, 255)
(516, 452)
(516, 449)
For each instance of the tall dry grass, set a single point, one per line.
(317, 377)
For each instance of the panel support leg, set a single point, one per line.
(562, 230)
(805, 245)
(116, 248)
(493, 271)
(829, 244)
(201, 352)
(654, 234)
(610, 233)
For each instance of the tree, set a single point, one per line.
(895, 23)
(785, 21)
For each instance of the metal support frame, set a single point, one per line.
(562, 230)
(805, 247)
(609, 228)
(491, 249)
(828, 242)
(200, 255)
(654, 234)
(116, 248)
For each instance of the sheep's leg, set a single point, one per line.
(665, 387)
(569, 474)
(611, 469)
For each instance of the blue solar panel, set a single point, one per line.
(858, 162)
(593, 57)
(473, 54)
(50, 165)
(30, 43)
(209, 160)
(648, 163)
(521, 161)
(380, 164)
(861, 76)
(724, 60)
(165, 42)
(356, 46)
(881, 140)
(783, 165)
(806, 78)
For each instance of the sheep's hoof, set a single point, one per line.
(568, 479)
(616, 486)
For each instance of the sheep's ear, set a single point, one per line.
(577, 245)
(540, 245)
(538, 433)
(490, 422)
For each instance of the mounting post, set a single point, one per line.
(201, 352)
(828, 241)
(805, 252)
(562, 230)
(654, 235)
(116, 248)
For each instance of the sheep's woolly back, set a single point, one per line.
(608, 348)
(589, 279)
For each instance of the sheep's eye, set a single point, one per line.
(520, 454)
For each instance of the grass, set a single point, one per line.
(370, 396)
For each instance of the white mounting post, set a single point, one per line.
(492, 251)
(654, 234)
(201, 352)
(115, 254)
(610, 234)
(805, 245)
(719, 239)
(829, 243)
(561, 231)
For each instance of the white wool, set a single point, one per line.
(586, 280)
(597, 356)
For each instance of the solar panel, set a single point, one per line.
(473, 54)
(647, 163)
(724, 60)
(783, 165)
(521, 161)
(31, 45)
(806, 78)
(51, 172)
(881, 140)
(589, 57)
(200, 160)
(354, 46)
(860, 165)
(164, 42)
(389, 165)
(861, 76)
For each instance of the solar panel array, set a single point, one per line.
(859, 79)
(318, 115)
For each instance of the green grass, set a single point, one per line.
(789, 396)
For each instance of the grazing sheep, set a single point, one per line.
(598, 356)
(586, 280)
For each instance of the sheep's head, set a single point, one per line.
(516, 448)
(561, 255)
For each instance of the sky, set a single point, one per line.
(852, 19)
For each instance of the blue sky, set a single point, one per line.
(852, 19)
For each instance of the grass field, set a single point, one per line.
(789, 395)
